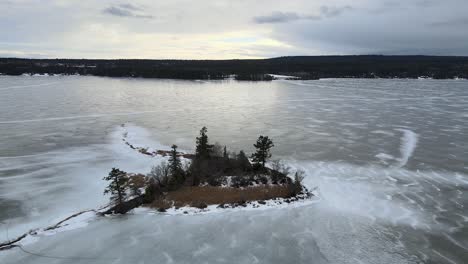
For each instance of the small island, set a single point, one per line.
(210, 179)
(212, 176)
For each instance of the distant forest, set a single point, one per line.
(302, 67)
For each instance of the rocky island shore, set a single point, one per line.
(211, 176)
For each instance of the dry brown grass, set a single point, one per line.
(137, 180)
(206, 195)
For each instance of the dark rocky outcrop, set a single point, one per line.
(125, 206)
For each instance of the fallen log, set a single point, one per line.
(66, 219)
(10, 244)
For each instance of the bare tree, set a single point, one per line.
(160, 173)
(217, 150)
(279, 166)
(298, 178)
(279, 170)
(135, 183)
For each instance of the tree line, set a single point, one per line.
(303, 67)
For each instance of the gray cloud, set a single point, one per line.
(461, 22)
(126, 10)
(33, 28)
(285, 17)
(333, 11)
(130, 7)
(426, 3)
(277, 17)
(406, 30)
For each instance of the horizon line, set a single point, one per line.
(268, 58)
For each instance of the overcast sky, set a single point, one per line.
(223, 29)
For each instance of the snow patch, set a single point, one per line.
(409, 142)
(279, 203)
(383, 132)
(284, 77)
(79, 221)
(384, 156)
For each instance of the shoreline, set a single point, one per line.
(276, 78)
(297, 67)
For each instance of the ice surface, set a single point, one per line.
(74, 179)
(59, 140)
(350, 200)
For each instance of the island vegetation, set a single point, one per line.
(299, 67)
(212, 176)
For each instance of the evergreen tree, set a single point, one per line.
(243, 162)
(118, 186)
(225, 153)
(262, 154)
(203, 149)
(174, 162)
(177, 173)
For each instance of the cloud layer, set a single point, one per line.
(126, 10)
(282, 17)
(285, 17)
(221, 29)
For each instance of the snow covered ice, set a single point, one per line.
(389, 165)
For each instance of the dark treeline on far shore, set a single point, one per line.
(302, 67)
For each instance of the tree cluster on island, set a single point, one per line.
(206, 172)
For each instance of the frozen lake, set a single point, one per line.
(389, 159)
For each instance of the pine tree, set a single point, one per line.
(118, 186)
(203, 149)
(225, 153)
(177, 173)
(262, 154)
(243, 161)
(174, 161)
